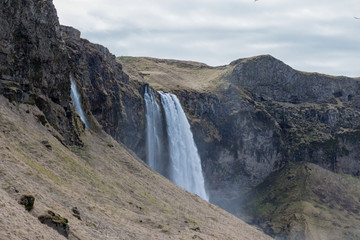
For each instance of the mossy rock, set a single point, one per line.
(56, 222)
(28, 201)
(76, 212)
(47, 144)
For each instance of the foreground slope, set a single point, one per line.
(118, 196)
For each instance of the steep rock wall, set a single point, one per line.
(267, 78)
(318, 114)
(238, 141)
(108, 95)
(34, 63)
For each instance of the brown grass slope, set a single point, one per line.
(169, 74)
(118, 196)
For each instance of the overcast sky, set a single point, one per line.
(316, 36)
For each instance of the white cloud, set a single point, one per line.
(308, 35)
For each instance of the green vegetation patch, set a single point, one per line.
(303, 199)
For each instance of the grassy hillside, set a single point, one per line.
(118, 197)
(305, 201)
(174, 74)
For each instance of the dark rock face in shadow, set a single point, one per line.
(108, 95)
(34, 65)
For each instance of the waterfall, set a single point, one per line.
(75, 96)
(154, 132)
(185, 163)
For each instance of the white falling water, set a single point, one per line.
(185, 163)
(154, 145)
(75, 96)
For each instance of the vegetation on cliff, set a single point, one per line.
(305, 201)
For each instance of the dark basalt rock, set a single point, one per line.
(107, 94)
(76, 212)
(28, 201)
(34, 65)
(270, 79)
(56, 222)
(47, 144)
(238, 141)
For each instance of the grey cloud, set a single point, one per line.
(318, 36)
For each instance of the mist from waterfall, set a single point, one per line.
(185, 164)
(75, 96)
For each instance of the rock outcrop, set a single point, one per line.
(269, 79)
(34, 65)
(116, 103)
(317, 115)
(55, 221)
(28, 202)
(238, 141)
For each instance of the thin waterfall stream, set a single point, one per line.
(75, 96)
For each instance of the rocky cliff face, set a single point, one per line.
(266, 114)
(34, 63)
(238, 141)
(106, 91)
(318, 115)
(258, 115)
(270, 79)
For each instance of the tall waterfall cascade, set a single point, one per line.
(75, 96)
(184, 164)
